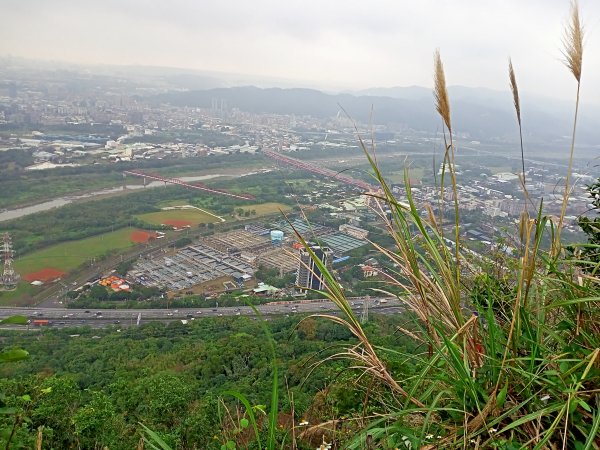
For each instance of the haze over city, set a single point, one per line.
(332, 45)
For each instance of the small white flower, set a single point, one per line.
(303, 423)
(545, 398)
(492, 430)
(429, 436)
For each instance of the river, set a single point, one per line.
(11, 214)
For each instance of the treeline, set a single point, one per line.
(20, 187)
(110, 131)
(85, 219)
(14, 160)
(142, 297)
(91, 388)
(89, 218)
(209, 138)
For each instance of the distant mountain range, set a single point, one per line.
(481, 114)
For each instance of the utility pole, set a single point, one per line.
(364, 316)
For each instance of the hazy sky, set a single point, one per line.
(335, 44)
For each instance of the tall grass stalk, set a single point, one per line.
(517, 104)
(573, 59)
(442, 105)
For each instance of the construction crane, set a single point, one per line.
(199, 186)
(319, 170)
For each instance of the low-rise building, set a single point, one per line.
(351, 230)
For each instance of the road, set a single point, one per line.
(61, 317)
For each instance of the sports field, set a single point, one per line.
(414, 173)
(67, 256)
(178, 217)
(264, 209)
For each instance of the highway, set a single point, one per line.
(98, 318)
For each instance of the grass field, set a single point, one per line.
(69, 255)
(415, 173)
(19, 297)
(168, 203)
(263, 209)
(193, 216)
(500, 169)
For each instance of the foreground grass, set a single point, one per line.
(510, 344)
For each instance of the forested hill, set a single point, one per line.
(92, 388)
(478, 114)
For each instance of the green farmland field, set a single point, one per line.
(67, 256)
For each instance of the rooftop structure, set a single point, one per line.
(342, 243)
(190, 266)
(356, 232)
(276, 237)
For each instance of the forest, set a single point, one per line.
(91, 388)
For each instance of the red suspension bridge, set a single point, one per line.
(271, 154)
(198, 186)
(319, 170)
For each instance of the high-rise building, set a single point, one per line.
(308, 275)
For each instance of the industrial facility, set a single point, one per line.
(217, 261)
